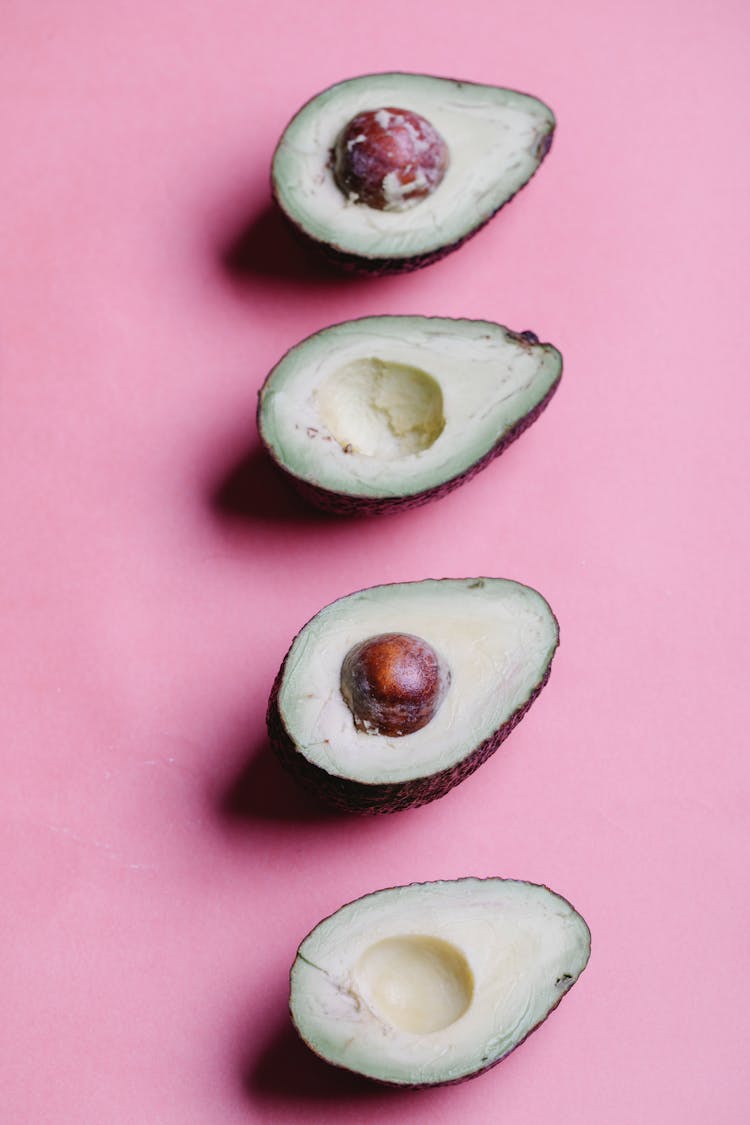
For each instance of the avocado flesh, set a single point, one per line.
(496, 140)
(496, 638)
(432, 983)
(391, 407)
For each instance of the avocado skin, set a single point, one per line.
(343, 504)
(448, 1081)
(351, 796)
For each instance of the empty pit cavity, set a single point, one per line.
(417, 983)
(382, 409)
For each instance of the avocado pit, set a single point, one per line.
(389, 159)
(393, 684)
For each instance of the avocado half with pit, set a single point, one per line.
(389, 697)
(434, 983)
(389, 172)
(388, 412)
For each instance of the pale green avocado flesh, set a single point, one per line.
(496, 139)
(393, 406)
(495, 637)
(434, 982)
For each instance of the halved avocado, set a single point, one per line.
(495, 141)
(335, 721)
(388, 412)
(433, 983)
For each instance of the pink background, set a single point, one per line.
(158, 870)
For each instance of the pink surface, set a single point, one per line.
(158, 871)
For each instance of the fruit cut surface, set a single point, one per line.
(495, 138)
(433, 983)
(391, 411)
(495, 639)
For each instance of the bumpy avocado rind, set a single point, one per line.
(497, 638)
(434, 983)
(386, 413)
(496, 137)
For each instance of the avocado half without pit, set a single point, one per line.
(389, 172)
(388, 412)
(434, 983)
(389, 697)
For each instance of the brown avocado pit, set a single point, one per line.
(389, 159)
(393, 684)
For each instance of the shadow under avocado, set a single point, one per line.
(287, 1072)
(254, 489)
(262, 790)
(266, 248)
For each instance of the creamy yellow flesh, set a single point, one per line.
(434, 981)
(381, 409)
(390, 406)
(416, 983)
(494, 137)
(495, 636)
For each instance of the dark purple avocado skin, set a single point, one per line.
(448, 1081)
(382, 267)
(357, 797)
(343, 504)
